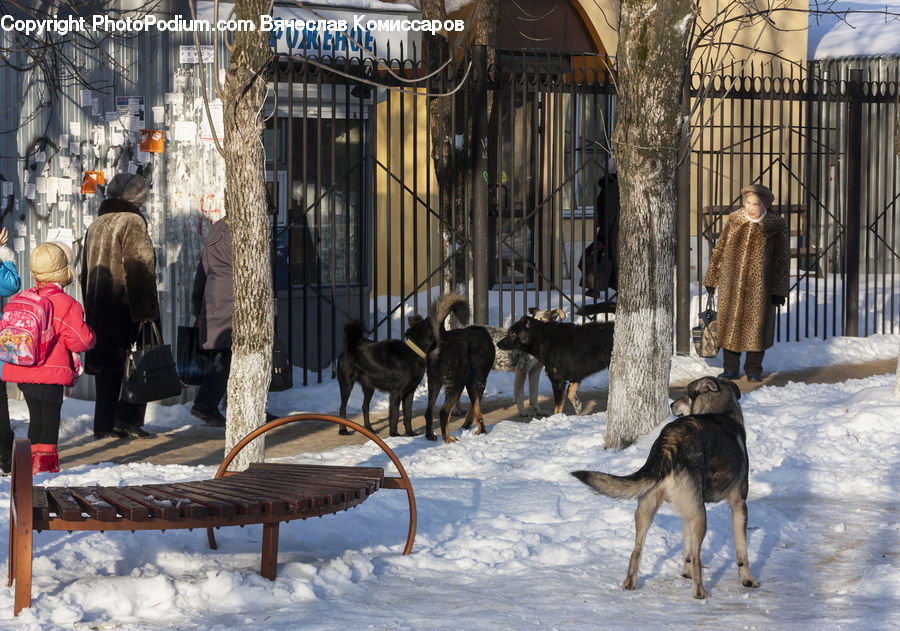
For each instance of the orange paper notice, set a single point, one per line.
(151, 141)
(91, 180)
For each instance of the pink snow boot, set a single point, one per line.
(44, 459)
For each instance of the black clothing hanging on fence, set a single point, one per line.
(599, 264)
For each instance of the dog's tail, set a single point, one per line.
(354, 333)
(596, 308)
(446, 304)
(619, 487)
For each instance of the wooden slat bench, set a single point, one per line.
(265, 493)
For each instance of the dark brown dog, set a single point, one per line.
(392, 366)
(569, 352)
(523, 364)
(457, 359)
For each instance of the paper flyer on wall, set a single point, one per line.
(185, 131)
(188, 54)
(61, 235)
(91, 180)
(130, 110)
(151, 140)
(215, 110)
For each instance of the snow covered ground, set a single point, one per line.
(507, 539)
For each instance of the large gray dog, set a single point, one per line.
(700, 457)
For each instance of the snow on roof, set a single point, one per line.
(862, 28)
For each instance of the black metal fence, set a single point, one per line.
(363, 229)
(824, 144)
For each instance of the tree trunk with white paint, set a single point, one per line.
(245, 204)
(452, 164)
(651, 60)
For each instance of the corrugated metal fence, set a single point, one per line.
(45, 152)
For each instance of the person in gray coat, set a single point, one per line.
(212, 303)
(118, 285)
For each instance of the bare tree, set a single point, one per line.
(450, 162)
(243, 97)
(651, 62)
(659, 44)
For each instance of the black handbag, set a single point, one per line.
(192, 362)
(282, 371)
(704, 334)
(150, 372)
(596, 268)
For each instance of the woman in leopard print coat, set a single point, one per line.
(749, 265)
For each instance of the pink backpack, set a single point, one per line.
(26, 329)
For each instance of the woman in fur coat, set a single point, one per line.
(750, 266)
(118, 284)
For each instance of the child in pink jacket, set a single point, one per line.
(43, 385)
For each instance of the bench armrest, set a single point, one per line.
(401, 482)
(21, 520)
(20, 505)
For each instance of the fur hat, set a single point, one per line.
(764, 194)
(49, 263)
(128, 186)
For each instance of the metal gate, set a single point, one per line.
(362, 228)
(551, 123)
(823, 143)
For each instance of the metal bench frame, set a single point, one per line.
(264, 494)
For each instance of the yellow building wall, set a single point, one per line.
(776, 44)
(406, 228)
(783, 32)
(406, 224)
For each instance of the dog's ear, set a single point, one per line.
(733, 387)
(559, 313)
(707, 384)
(414, 319)
(532, 310)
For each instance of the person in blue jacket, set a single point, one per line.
(9, 285)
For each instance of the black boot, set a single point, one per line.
(6, 447)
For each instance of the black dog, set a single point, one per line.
(457, 359)
(392, 366)
(569, 352)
